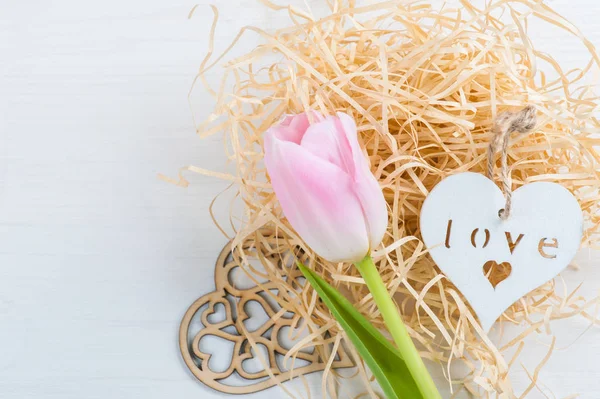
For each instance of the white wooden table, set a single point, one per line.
(98, 258)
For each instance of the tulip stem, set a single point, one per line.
(396, 327)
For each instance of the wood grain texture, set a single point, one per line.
(98, 259)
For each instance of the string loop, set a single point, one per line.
(505, 124)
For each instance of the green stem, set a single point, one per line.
(395, 325)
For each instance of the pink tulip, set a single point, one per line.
(324, 185)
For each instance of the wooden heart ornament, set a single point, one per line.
(461, 226)
(217, 332)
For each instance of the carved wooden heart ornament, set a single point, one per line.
(222, 325)
(461, 226)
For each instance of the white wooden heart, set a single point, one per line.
(463, 231)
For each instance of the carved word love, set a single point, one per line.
(543, 243)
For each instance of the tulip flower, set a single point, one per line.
(324, 185)
(330, 197)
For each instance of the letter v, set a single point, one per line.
(509, 240)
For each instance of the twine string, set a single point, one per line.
(505, 124)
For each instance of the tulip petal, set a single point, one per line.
(318, 199)
(347, 125)
(293, 127)
(374, 206)
(367, 188)
(327, 141)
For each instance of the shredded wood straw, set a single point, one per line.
(424, 84)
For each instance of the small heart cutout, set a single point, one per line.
(216, 313)
(496, 273)
(461, 227)
(218, 352)
(255, 361)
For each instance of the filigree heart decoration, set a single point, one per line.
(234, 338)
(494, 262)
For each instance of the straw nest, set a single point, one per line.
(424, 85)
